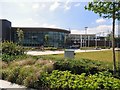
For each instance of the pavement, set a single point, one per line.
(35, 53)
(5, 85)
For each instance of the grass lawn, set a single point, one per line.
(105, 56)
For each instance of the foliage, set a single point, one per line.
(64, 80)
(104, 9)
(50, 48)
(11, 48)
(87, 48)
(81, 66)
(26, 72)
(46, 38)
(107, 10)
(31, 72)
(20, 35)
(7, 58)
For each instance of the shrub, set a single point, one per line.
(3, 64)
(25, 71)
(28, 61)
(12, 74)
(64, 80)
(7, 58)
(80, 66)
(50, 48)
(11, 48)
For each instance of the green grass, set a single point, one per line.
(105, 56)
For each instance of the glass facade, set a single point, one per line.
(38, 38)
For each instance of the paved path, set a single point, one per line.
(60, 52)
(5, 85)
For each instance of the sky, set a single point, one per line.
(63, 14)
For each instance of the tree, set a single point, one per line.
(20, 35)
(46, 39)
(107, 10)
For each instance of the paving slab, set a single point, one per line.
(5, 85)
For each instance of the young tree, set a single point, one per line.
(20, 35)
(107, 10)
(46, 39)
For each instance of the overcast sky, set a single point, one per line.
(65, 14)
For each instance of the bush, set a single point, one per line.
(81, 66)
(12, 74)
(11, 48)
(64, 80)
(27, 72)
(3, 64)
(50, 48)
(7, 58)
(10, 51)
(22, 62)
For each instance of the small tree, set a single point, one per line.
(107, 10)
(20, 35)
(46, 39)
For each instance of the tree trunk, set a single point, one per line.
(113, 41)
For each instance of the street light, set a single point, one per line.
(86, 36)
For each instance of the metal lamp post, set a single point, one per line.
(86, 36)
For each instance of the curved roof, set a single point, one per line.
(41, 29)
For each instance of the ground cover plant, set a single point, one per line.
(64, 80)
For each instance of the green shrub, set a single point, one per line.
(25, 71)
(50, 48)
(81, 66)
(3, 64)
(7, 58)
(64, 80)
(23, 62)
(11, 51)
(11, 48)
(4, 74)
(12, 74)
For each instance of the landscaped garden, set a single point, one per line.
(88, 70)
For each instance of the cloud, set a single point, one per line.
(49, 25)
(77, 5)
(101, 29)
(66, 8)
(35, 6)
(101, 20)
(54, 6)
(63, 5)
(67, 5)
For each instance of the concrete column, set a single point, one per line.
(88, 40)
(81, 41)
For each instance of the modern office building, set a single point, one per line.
(34, 36)
(52, 37)
(5, 29)
(82, 40)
